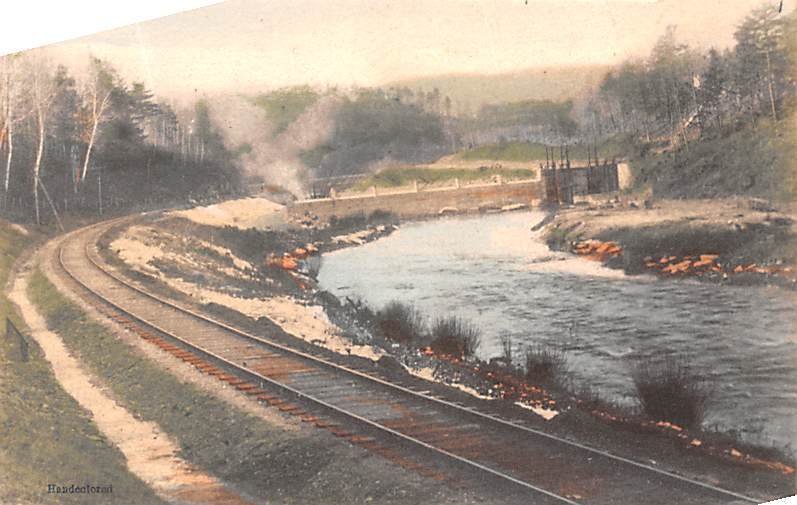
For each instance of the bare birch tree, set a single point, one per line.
(98, 96)
(9, 103)
(42, 91)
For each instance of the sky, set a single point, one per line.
(256, 45)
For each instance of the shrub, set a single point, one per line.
(507, 349)
(401, 322)
(382, 216)
(351, 222)
(668, 390)
(359, 309)
(455, 336)
(545, 364)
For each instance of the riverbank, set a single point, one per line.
(288, 306)
(735, 240)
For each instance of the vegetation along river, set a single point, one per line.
(497, 273)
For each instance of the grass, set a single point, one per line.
(200, 422)
(545, 364)
(669, 390)
(401, 322)
(533, 151)
(47, 437)
(404, 176)
(455, 336)
(754, 160)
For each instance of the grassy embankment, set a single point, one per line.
(47, 438)
(756, 161)
(534, 151)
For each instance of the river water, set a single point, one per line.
(494, 271)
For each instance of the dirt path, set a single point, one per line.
(150, 454)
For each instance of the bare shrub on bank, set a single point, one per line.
(669, 390)
(545, 364)
(401, 322)
(455, 336)
(507, 350)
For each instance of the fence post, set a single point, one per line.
(22, 345)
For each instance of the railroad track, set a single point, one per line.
(410, 427)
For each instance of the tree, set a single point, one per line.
(761, 54)
(11, 114)
(672, 68)
(203, 129)
(713, 87)
(42, 91)
(142, 105)
(99, 88)
(65, 114)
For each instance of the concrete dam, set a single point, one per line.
(552, 185)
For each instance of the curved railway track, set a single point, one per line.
(368, 409)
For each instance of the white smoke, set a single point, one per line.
(275, 160)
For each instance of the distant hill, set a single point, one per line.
(475, 90)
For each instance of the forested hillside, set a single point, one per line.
(710, 124)
(692, 122)
(99, 143)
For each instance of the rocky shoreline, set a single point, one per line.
(735, 241)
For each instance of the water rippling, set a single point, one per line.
(497, 273)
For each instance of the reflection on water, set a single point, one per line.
(497, 273)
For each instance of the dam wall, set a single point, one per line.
(413, 203)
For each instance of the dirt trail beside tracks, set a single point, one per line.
(150, 454)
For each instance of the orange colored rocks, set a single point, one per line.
(290, 260)
(597, 250)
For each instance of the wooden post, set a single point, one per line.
(52, 206)
(99, 190)
(12, 333)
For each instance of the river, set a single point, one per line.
(494, 271)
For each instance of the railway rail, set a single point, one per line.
(388, 418)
